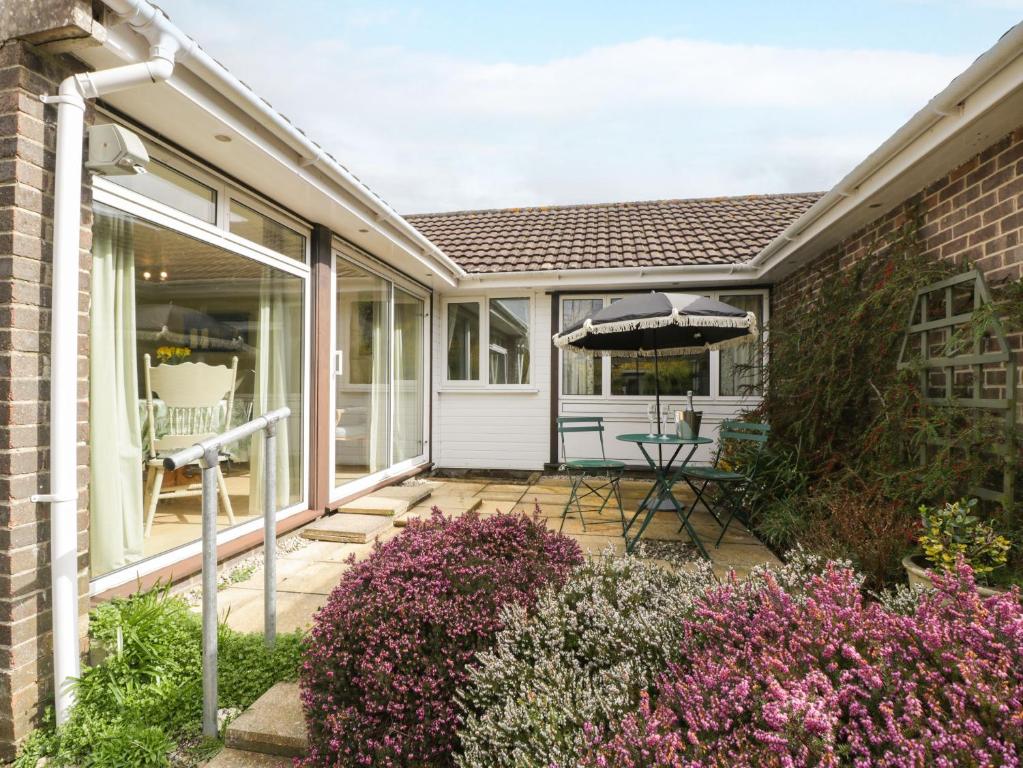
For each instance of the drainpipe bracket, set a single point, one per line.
(73, 100)
(50, 498)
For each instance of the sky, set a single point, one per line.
(454, 105)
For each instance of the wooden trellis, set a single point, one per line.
(966, 369)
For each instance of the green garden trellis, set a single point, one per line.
(961, 366)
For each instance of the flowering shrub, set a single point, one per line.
(769, 680)
(391, 646)
(584, 654)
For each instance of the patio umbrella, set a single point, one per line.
(654, 324)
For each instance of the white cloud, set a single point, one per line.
(650, 118)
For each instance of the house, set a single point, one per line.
(250, 253)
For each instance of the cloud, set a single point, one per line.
(649, 118)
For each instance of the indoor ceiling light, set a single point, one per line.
(222, 137)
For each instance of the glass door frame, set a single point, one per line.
(344, 251)
(152, 212)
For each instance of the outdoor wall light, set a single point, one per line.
(115, 151)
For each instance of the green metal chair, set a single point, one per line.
(599, 477)
(731, 483)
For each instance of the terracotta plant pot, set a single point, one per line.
(920, 576)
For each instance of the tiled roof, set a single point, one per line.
(718, 230)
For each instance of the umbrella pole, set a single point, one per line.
(657, 386)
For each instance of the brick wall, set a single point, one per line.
(27, 139)
(973, 216)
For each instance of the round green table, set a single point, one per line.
(667, 473)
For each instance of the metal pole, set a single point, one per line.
(270, 536)
(210, 464)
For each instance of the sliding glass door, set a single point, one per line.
(379, 373)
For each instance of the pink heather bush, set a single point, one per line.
(825, 679)
(389, 649)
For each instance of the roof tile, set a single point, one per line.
(658, 233)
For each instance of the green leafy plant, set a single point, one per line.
(953, 530)
(843, 471)
(143, 700)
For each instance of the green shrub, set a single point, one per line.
(952, 531)
(581, 656)
(145, 696)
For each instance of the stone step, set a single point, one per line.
(273, 725)
(236, 758)
(347, 528)
(452, 505)
(390, 501)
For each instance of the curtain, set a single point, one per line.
(740, 366)
(278, 349)
(115, 434)
(379, 394)
(582, 372)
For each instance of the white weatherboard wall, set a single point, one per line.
(478, 427)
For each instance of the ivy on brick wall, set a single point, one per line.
(842, 473)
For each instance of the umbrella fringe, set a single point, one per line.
(667, 352)
(675, 318)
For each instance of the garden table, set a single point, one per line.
(667, 473)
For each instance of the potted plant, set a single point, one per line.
(951, 531)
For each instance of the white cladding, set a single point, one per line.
(480, 427)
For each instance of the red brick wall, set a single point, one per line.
(971, 216)
(27, 140)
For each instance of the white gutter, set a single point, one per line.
(63, 495)
(945, 104)
(311, 155)
(569, 278)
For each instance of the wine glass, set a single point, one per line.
(651, 414)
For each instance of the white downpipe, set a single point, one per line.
(67, 221)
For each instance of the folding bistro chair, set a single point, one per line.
(730, 483)
(599, 477)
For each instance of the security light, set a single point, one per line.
(115, 151)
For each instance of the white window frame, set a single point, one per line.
(160, 215)
(223, 188)
(483, 383)
(215, 234)
(340, 250)
(715, 356)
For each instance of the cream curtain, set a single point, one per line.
(380, 390)
(278, 349)
(740, 368)
(115, 434)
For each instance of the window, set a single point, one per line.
(505, 324)
(739, 369)
(742, 367)
(253, 225)
(172, 188)
(678, 374)
(463, 323)
(509, 341)
(188, 339)
(582, 373)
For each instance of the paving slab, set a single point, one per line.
(374, 505)
(273, 725)
(236, 758)
(343, 527)
(313, 578)
(742, 555)
(242, 609)
(503, 488)
(410, 494)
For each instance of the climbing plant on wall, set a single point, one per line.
(843, 471)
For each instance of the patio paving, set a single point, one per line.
(306, 575)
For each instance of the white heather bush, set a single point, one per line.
(583, 656)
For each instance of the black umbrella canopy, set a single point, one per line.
(665, 323)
